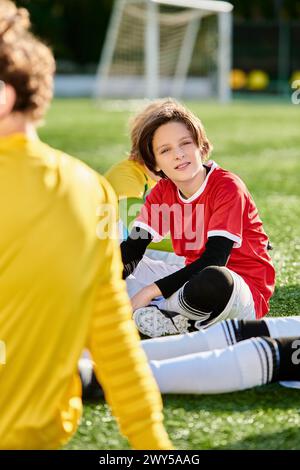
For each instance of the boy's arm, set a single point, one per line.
(133, 249)
(129, 209)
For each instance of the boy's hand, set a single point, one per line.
(144, 296)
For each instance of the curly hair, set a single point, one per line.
(25, 62)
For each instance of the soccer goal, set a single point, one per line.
(179, 48)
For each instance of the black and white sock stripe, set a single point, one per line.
(268, 352)
(266, 348)
(239, 330)
(231, 331)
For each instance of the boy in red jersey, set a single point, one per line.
(214, 224)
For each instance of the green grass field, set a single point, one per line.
(261, 143)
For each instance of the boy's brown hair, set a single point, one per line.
(156, 114)
(137, 124)
(25, 62)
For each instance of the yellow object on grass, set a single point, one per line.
(238, 79)
(258, 80)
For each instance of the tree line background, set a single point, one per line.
(76, 29)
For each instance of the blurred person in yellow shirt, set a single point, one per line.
(60, 272)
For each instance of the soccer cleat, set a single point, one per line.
(152, 322)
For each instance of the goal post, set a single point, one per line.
(150, 45)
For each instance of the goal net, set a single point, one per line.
(179, 48)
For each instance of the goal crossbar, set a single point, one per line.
(153, 18)
(209, 6)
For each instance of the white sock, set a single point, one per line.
(283, 326)
(171, 304)
(244, 365)
(217, 336)
(179, 345)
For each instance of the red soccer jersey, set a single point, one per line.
(222, 206)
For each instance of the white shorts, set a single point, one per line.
(240, 305)
(167, 257)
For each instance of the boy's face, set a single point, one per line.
(176, 153)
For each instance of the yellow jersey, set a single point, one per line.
(61, 291)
